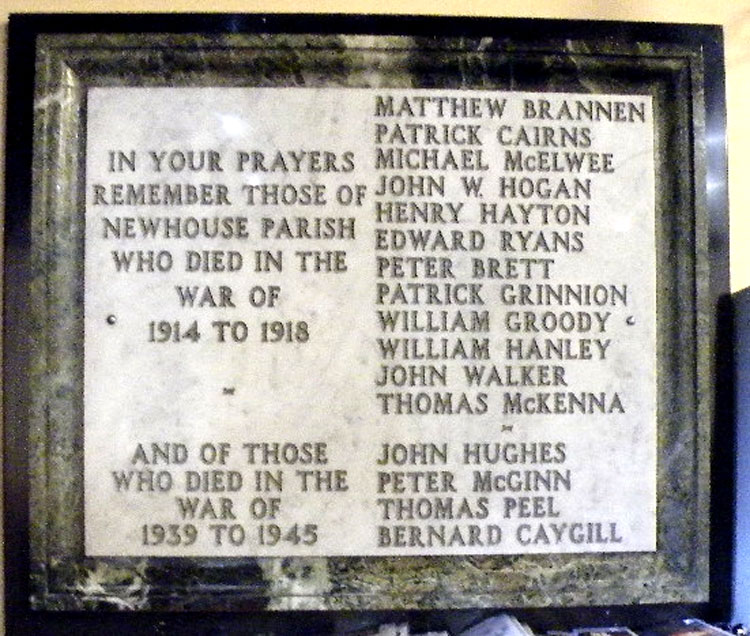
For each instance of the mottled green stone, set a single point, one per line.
(64, 578)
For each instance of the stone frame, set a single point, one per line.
(44, 298)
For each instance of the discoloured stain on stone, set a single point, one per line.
(296, 583)
(121, 587)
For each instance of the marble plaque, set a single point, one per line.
(369, 322)
(331, 321)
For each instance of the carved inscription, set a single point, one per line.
(369, 322)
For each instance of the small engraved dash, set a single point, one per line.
(228, 390)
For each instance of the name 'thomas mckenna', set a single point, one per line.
(517, 403)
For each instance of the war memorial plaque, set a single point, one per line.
(367, 321)
(364, 321)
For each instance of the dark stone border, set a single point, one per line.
(41, 402)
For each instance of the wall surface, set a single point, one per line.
(734, 16)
